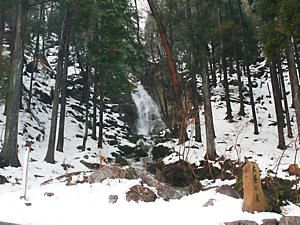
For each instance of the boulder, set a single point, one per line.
(112, 172)
(3, 180)
(113, 199)
(289, 220)
(294, 170)
(159, 152)
(229, 191)
(126, 149)
(163, 190)
(269, 222)
(140, 193)
(210, 202)
(254, 198)
(241, 222)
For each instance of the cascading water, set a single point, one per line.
(149, 119)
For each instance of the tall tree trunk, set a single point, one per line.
(36, 52)
(63, 98)
(229, 115)
(180, 111)
(2, 26)
(283, 94)
(278, 106)
(294, 83)
(238, 69)
(209, 124)
(86, 101)
(137, 22)
(10, 148)
(165, 43)
(94, 120)
(59, 74)
(214, 66)
(246, 62)
(296, 55)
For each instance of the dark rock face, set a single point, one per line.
(229, 191)
(43, 97)
(140, 193)
(290, 220)
(241, 222)
(159, 152)
(126, 108)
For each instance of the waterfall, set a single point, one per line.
(149, 120)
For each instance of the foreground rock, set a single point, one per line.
(112, 172)
(254, 198)
(163, 190)
(241, 222)
(290, 220)
(140, 193)
(229, 191)
(3, 180)
(269, 222)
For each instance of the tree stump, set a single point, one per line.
(254, 198)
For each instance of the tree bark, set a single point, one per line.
(294, 83)
(238, 69)
(246, 62)
(10, 148)
(36, 52)
(52, 135)
(63, 98)
(286, 106)
(94, 120)
(180, 111)
(168, 50)
(2, 26)
(229, 115)
(209, 124)
(278, 106)
(86, 100)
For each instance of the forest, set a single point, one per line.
(192, 105)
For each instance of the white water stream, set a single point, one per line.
(149, 119)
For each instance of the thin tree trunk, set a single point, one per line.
(278, 106)
(86, 100)
(180, 111)
(297, 56)
(52, 135)
(229, 115)
(294, 83)
(2, 27)
(214, 75)
(246, 62)
(10, 148)
(286, 106)
(238, 70)
(165, 43)
(137, 22)
(36, 52)
(63, 98)
(94, 120)
(101, 110)
(209, 125)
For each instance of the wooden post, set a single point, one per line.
(25, 171)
